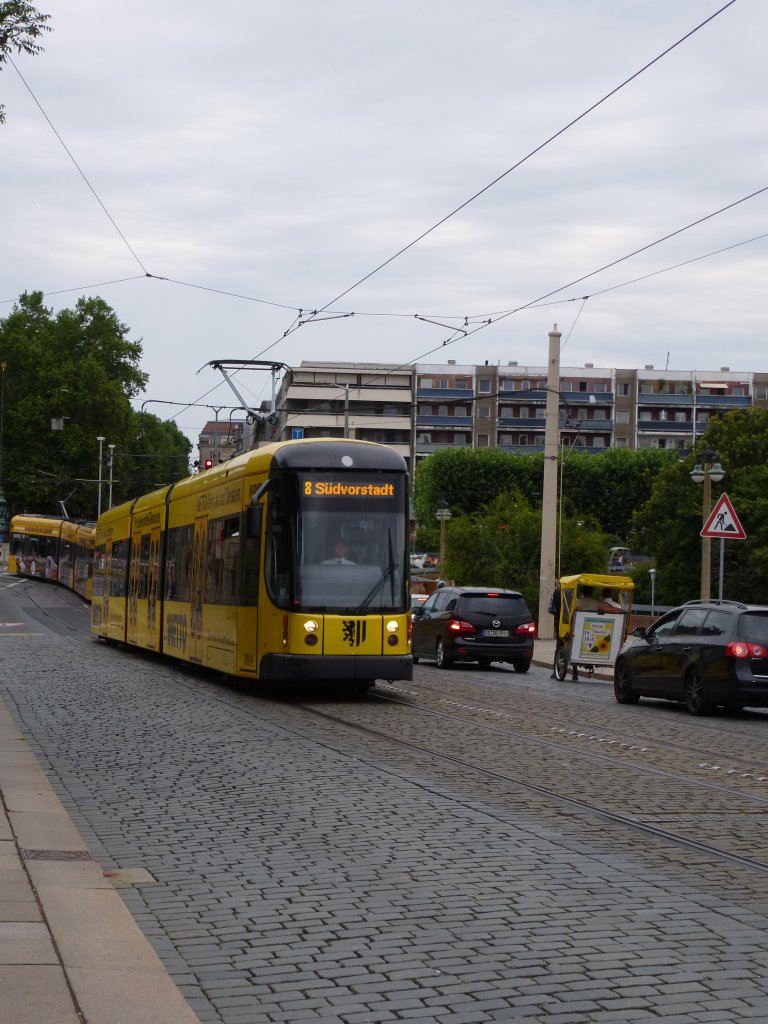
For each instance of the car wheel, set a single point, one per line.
(696, 698)
(521, 664)
(561, 663)
(622, 684)
(415, 659)
(441, 656)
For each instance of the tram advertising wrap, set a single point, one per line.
(286, 563)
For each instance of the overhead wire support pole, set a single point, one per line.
(549, 491)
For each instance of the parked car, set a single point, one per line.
(703, 654)
(474, 624)
(417, 600)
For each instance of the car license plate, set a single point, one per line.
(495, 632)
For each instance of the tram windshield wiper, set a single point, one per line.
(388, 574)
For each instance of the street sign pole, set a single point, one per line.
(723, 524)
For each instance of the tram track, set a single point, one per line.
(669, 803)
(755, 767)
(623, 821)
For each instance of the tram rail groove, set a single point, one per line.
(733, 757)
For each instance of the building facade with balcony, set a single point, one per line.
(426, 407)
(365, 401)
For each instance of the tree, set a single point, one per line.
(21, 25)
(500, 547)
(669, 523)
(609, 487)
(69, 379)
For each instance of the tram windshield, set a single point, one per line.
(337, 543)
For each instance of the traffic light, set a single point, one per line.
(209, 464)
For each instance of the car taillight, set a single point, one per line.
(526, 627)
(460, 626)
(742, 649)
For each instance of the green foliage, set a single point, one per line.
(609, 487)
(500, 546)
(669, 523)
(468, 479)
(78, 368)
(21, 25)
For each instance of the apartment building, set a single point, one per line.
(423, 408)
(366, 401)
(219, 440)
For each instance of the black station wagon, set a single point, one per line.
(474, 624)
(703, 654)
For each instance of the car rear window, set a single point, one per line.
(753, 627)
(493, 604)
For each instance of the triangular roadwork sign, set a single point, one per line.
(724, 522)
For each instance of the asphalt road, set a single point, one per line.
(474, 846)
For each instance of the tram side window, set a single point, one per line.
(249, 566)
(278, 566)
(66, 555)
(221, 562)
(117, 579)
(178, 564)
(143, 567)
(99, 562)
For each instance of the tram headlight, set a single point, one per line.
(393, 626)
(311, 626)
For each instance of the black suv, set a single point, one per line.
(703, 654)
(474, 624)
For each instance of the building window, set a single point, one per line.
(485, 412)
(623, 389)
(621, 442)
(482, 440)
(426, 382)
(461, 382)
(442, 410)
(680, 417)
(760, 392)
(738, 391)
(523, 439)
(622, 415)
(484, 385)
(425, 410)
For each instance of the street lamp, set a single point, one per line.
(442, 515)
(101, 441)
(110, 461)
(652, 574)
(707, 472)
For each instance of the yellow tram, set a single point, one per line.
(53, 548)
(233, 568)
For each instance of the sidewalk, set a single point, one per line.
(70, 952)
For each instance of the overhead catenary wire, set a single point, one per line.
(459, 332)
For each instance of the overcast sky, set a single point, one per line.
(281, 150)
